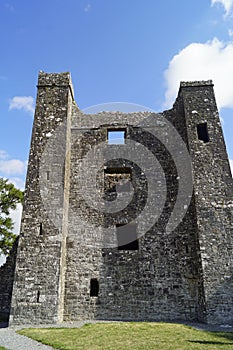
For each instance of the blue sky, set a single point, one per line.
(117, 51)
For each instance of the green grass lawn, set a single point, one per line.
(1, 348)
(131, 336)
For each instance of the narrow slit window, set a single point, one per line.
(48, 175)
(94, 287)
(116, 137)
(202, 132)
(38, 297)
(127, 237)
(41, 229)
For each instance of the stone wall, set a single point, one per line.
(6, 283)
(162, 279)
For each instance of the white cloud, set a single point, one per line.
(9, 7)
(17, 182)
(203, 61)
(87, 8)
(22, 102)
(12, 167)
(16, 218)
(227, 4)
(3, 154)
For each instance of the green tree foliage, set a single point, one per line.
(10, 196)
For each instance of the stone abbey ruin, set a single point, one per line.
(136, 229)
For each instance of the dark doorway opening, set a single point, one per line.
(94, 287)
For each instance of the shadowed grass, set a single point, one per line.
(131, 336)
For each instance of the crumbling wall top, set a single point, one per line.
(55, 79)
(196, 83)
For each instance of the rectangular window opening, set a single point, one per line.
(116, 136)
(118, 179)
(127, 236)
(118, 170)
(94, 287)
(202, 132)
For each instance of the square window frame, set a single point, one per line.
(116, 130)
(119, 170)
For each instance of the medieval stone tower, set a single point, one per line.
(133, 228)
